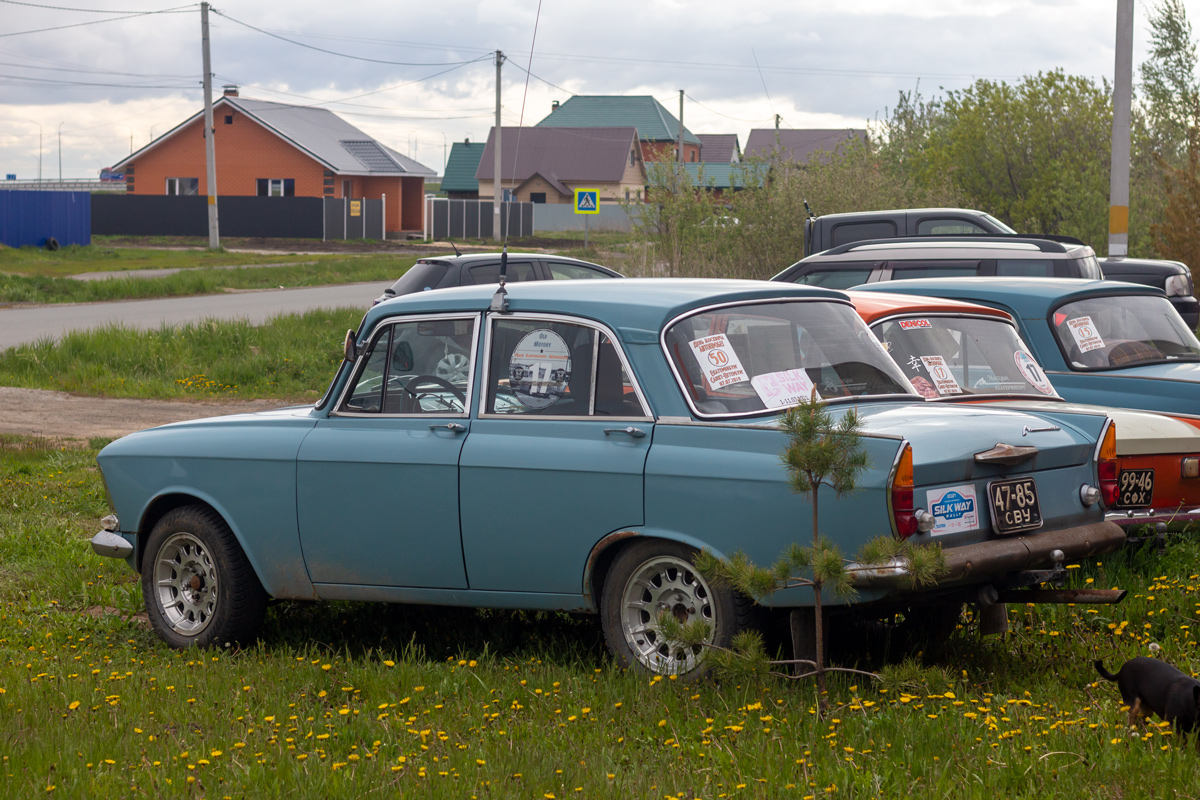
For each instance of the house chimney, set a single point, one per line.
(554, 105)
(467, 140)
(230, 90)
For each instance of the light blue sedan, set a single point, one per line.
(1107, 343)
(572, 448)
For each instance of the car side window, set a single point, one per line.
(417, 367)
(848, 232)
(947, 227)
(833, 278)
(902, 270)
(1025, 267)
(548, 368)
(518, 271)
(572, 272)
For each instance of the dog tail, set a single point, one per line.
(1108, 676)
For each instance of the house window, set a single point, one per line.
(276, 187)
(626, 195)
(537, 197)
(229, 119)
(632, 157)
(183, 186)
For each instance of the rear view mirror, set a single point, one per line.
(349, 348)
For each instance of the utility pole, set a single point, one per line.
(777, 118)
(497, 191)
(1118, 191)
(210, 154)
(679, 149)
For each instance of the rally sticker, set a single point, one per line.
(786, 388)
(1032, 372)
(908, 324)
(955, 509)
(943, 381)
(720, 363)
(539, 369)
(1085, 333)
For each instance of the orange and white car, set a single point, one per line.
(954, 351)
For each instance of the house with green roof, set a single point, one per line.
(459, 182)
(657, 128)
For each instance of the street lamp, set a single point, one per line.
(39, 154)
(60, 152)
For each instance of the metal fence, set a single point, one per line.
(473, 219)
(251, 217)
(562, 217)
(45, 219)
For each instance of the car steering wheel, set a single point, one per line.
(412, 399)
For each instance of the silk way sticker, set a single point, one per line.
(909, 324)
(955, 509)
(943, 381)
(1031, 371)
(539, 369)
(786, 388)
(720, 363)
(1085, 333)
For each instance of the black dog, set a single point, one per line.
(1149, 685)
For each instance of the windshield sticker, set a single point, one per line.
(1032, 372)
(955, 509)
(1085, 333)
(720, 363)
(943, 381)
(786, 388)
(539, 369)
(909, 324)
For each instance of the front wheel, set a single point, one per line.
(199, 588)
(652, 578)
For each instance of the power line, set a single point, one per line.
(177, 10)
(79, 10)
(92, 71)
(543, 80)
(726, 116)
(61, 82)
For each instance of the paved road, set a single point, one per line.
(25, 324)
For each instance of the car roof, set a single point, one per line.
(972, 246)
(872, 306)
(643, 304)
(968, 212)
(1035, 295)
(465, 257)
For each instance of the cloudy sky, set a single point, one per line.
(111, 74)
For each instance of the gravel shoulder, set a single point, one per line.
(59, 415)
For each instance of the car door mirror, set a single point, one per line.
(349, 348)
(402, 358)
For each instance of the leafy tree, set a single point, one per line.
(1178, 236)
(1169, 87)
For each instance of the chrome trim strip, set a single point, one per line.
(361, 363)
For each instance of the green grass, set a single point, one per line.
(345, 700)
(77, 259)
(292, 356)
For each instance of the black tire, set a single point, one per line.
(52, 244)
(668, 582)
(199, 588)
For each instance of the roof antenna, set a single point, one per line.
(808, 210)
(452, 244)
(500, 298)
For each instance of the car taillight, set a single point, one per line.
(1106, 466)
(904, 518)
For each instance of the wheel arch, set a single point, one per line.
(605, 552)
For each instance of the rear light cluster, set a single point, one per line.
(904, 515)
(1106, 466)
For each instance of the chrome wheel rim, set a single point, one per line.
(185, 579)
(665, 585)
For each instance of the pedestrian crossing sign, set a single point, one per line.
(587, 201)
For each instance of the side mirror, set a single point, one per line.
(402, 358)
(349, 348)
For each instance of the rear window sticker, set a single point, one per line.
(940, 374)
(786, 388)
(720, 363)
(1032, 372)
(909, 324)
(539, 369)
(955, 508)
(1085, 333)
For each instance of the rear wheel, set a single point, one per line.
(199, 588)
(652, 578)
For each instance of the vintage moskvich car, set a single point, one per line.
(642, 427)
(954, 351)
(1106, 343)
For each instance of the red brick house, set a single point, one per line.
(280, 150)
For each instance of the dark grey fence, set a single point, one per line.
(473, 219)
(253, 217)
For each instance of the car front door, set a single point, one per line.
(377, 481)
(555, 459)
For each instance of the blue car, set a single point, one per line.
(572, 449)
(1107, 343)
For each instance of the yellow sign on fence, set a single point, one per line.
(356, 208)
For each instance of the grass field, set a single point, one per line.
(349, 700)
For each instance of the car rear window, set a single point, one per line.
(421, 276)
(1026, 267)
(1102, 333)
(848, 232)
(753, 358)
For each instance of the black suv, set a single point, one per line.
(1173, 277)
(443, 272)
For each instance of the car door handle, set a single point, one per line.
(453, 427)
(636, 433)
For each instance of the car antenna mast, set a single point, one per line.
(808, 210)
(452, 244)
(500, 298)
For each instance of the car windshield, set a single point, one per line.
(756, 357)
(960, 356)
(1122, 331)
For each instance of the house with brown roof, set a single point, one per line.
(719, 148)
(657, 127)
(799, 145)
(280, 150)
(547, 165)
